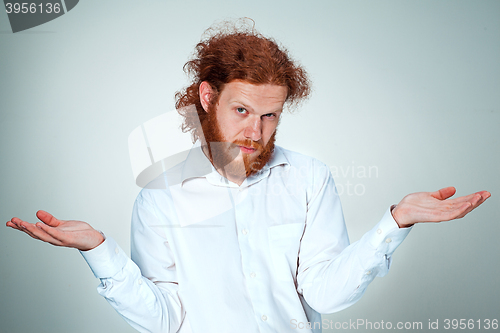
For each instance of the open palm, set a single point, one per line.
(76, 234)
(435, 206)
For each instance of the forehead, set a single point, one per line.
(259, 94)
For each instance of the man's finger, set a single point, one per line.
(466, 209)
(444, 193)
(12, 225)
(41, 235)
(16, 220)
(47, 218)
(52, 232)
(24, 227)
(15, 223)
(466, 206)
(475, 204)
(484, 195)
(463, 199)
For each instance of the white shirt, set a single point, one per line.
(211, 256)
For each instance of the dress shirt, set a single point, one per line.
(211, 256)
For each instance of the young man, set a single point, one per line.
(242, 236)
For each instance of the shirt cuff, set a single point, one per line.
(105, 260)
(386, 236)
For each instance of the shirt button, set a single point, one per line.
(244, 231)
(139, 282)
(264, 317)
(252, 275)
(388, 240)
(379, 231)
(368, 273)
(117, 251)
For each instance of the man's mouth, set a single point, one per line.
(247, 150)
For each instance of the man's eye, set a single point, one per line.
(269, 115)
(241, 110)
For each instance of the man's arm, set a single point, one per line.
(149, 304)
(332, 274)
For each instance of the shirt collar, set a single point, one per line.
(197, 165)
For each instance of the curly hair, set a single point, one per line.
(231, 53)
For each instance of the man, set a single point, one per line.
(242, 236)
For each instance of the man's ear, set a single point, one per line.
(206, 93)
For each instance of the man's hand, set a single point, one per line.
(77, 234)
(433, 206)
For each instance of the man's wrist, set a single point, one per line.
(99, 240)
(396, 216)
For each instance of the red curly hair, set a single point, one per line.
(230, 54)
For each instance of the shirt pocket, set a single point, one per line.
(284, 245)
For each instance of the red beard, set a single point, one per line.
(222, 153)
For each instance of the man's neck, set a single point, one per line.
(235, 178)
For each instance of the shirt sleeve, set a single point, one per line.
(333, 275)
(148, 301)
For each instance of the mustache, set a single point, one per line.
(232, 149)
(249, 144)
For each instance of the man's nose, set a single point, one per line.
(253, 130)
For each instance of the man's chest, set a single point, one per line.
(256, 228)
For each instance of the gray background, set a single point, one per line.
(409, 87)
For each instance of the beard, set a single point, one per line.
(223, 154)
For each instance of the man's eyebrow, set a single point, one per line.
(278, 110)
(241, 103)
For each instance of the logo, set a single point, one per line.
(26, 15)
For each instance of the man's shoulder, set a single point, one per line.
(158, 189)
(296, 159)
(164, 179)
(303, 164)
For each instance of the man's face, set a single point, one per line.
(246, 116)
